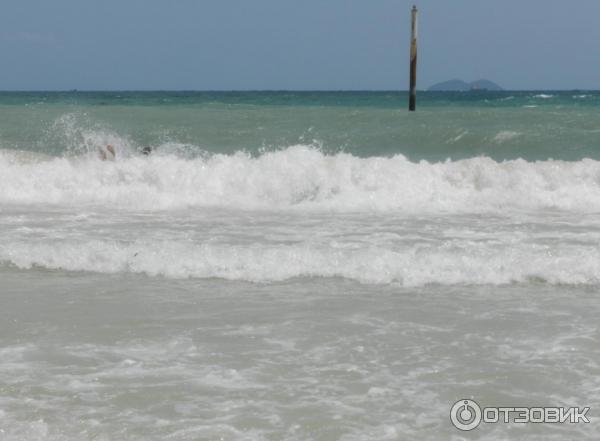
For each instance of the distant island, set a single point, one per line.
(463, 86)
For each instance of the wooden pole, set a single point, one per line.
(412, 101)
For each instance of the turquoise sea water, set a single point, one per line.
(501, 125)
(296, 265)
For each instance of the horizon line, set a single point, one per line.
(74, 90)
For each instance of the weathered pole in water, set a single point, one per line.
(412, 100)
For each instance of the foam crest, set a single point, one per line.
(445, 264)
(505, 135)
(300, 177)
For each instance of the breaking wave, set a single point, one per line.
(299, 212)
(299, 177)
(445, 264)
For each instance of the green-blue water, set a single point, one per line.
(501, 125)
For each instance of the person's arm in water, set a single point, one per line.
(104, 155)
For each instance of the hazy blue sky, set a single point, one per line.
(295, 44)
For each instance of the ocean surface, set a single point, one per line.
(297, 265)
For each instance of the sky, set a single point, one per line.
(295, 44)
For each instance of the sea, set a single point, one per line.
(298, 266)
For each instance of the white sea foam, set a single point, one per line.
(458, 137)
(301, 177)
(301, 213)
(505, 135)
(543, 96)
(495, 261)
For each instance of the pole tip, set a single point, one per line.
(414, 7)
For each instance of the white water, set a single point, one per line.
(266, 247)
(300, 213)
(301, 177)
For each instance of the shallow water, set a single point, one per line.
(296, 266)
(90, 356)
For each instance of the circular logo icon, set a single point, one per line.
(465, 415)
